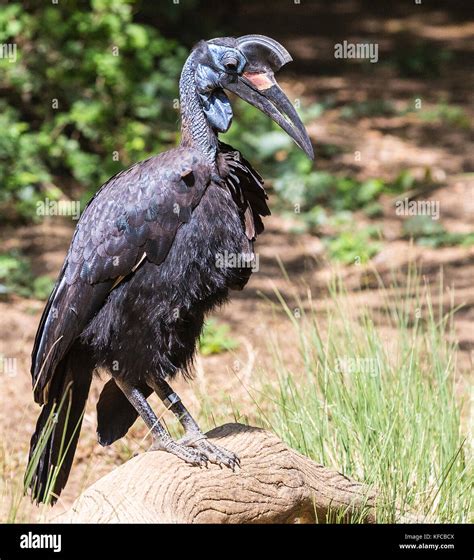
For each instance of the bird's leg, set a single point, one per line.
(193, 436)
(161, 438)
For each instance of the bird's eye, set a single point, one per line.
(231, 65)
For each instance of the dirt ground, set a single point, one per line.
(387, 144)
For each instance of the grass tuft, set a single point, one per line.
(382, 409)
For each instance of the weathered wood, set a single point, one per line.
(275, 484)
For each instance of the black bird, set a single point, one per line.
(148, 261)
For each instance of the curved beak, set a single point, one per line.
(261, 90)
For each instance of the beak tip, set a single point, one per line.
(307, 147)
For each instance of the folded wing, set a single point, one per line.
(135, 215)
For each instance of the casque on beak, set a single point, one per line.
(257, 86)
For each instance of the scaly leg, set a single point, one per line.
(161, 438)
(193, 436)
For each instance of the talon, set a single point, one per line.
(214, 454)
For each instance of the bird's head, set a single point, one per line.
(245, 66)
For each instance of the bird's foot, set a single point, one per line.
(186, 453)
(214, 453)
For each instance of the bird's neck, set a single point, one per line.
(195, 129)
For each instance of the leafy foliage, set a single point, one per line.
(94, 89)
(431, 233)
(368, 108)
(354, 246)
(452, 115)
(16, 276)
(420, 59)
(90, 92)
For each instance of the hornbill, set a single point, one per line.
(143, 268)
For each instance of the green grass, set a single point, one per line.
(216, 338)
(386, 411)
(15, 489)
(381, 410)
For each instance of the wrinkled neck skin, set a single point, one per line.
(195, 128)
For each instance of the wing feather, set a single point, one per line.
(137, 212)
(246, 187)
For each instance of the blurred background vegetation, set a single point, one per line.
(88, 83)
(94, 89)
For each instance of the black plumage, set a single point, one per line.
(141, 274)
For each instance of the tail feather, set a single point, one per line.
(115, 414)
(54, 441)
